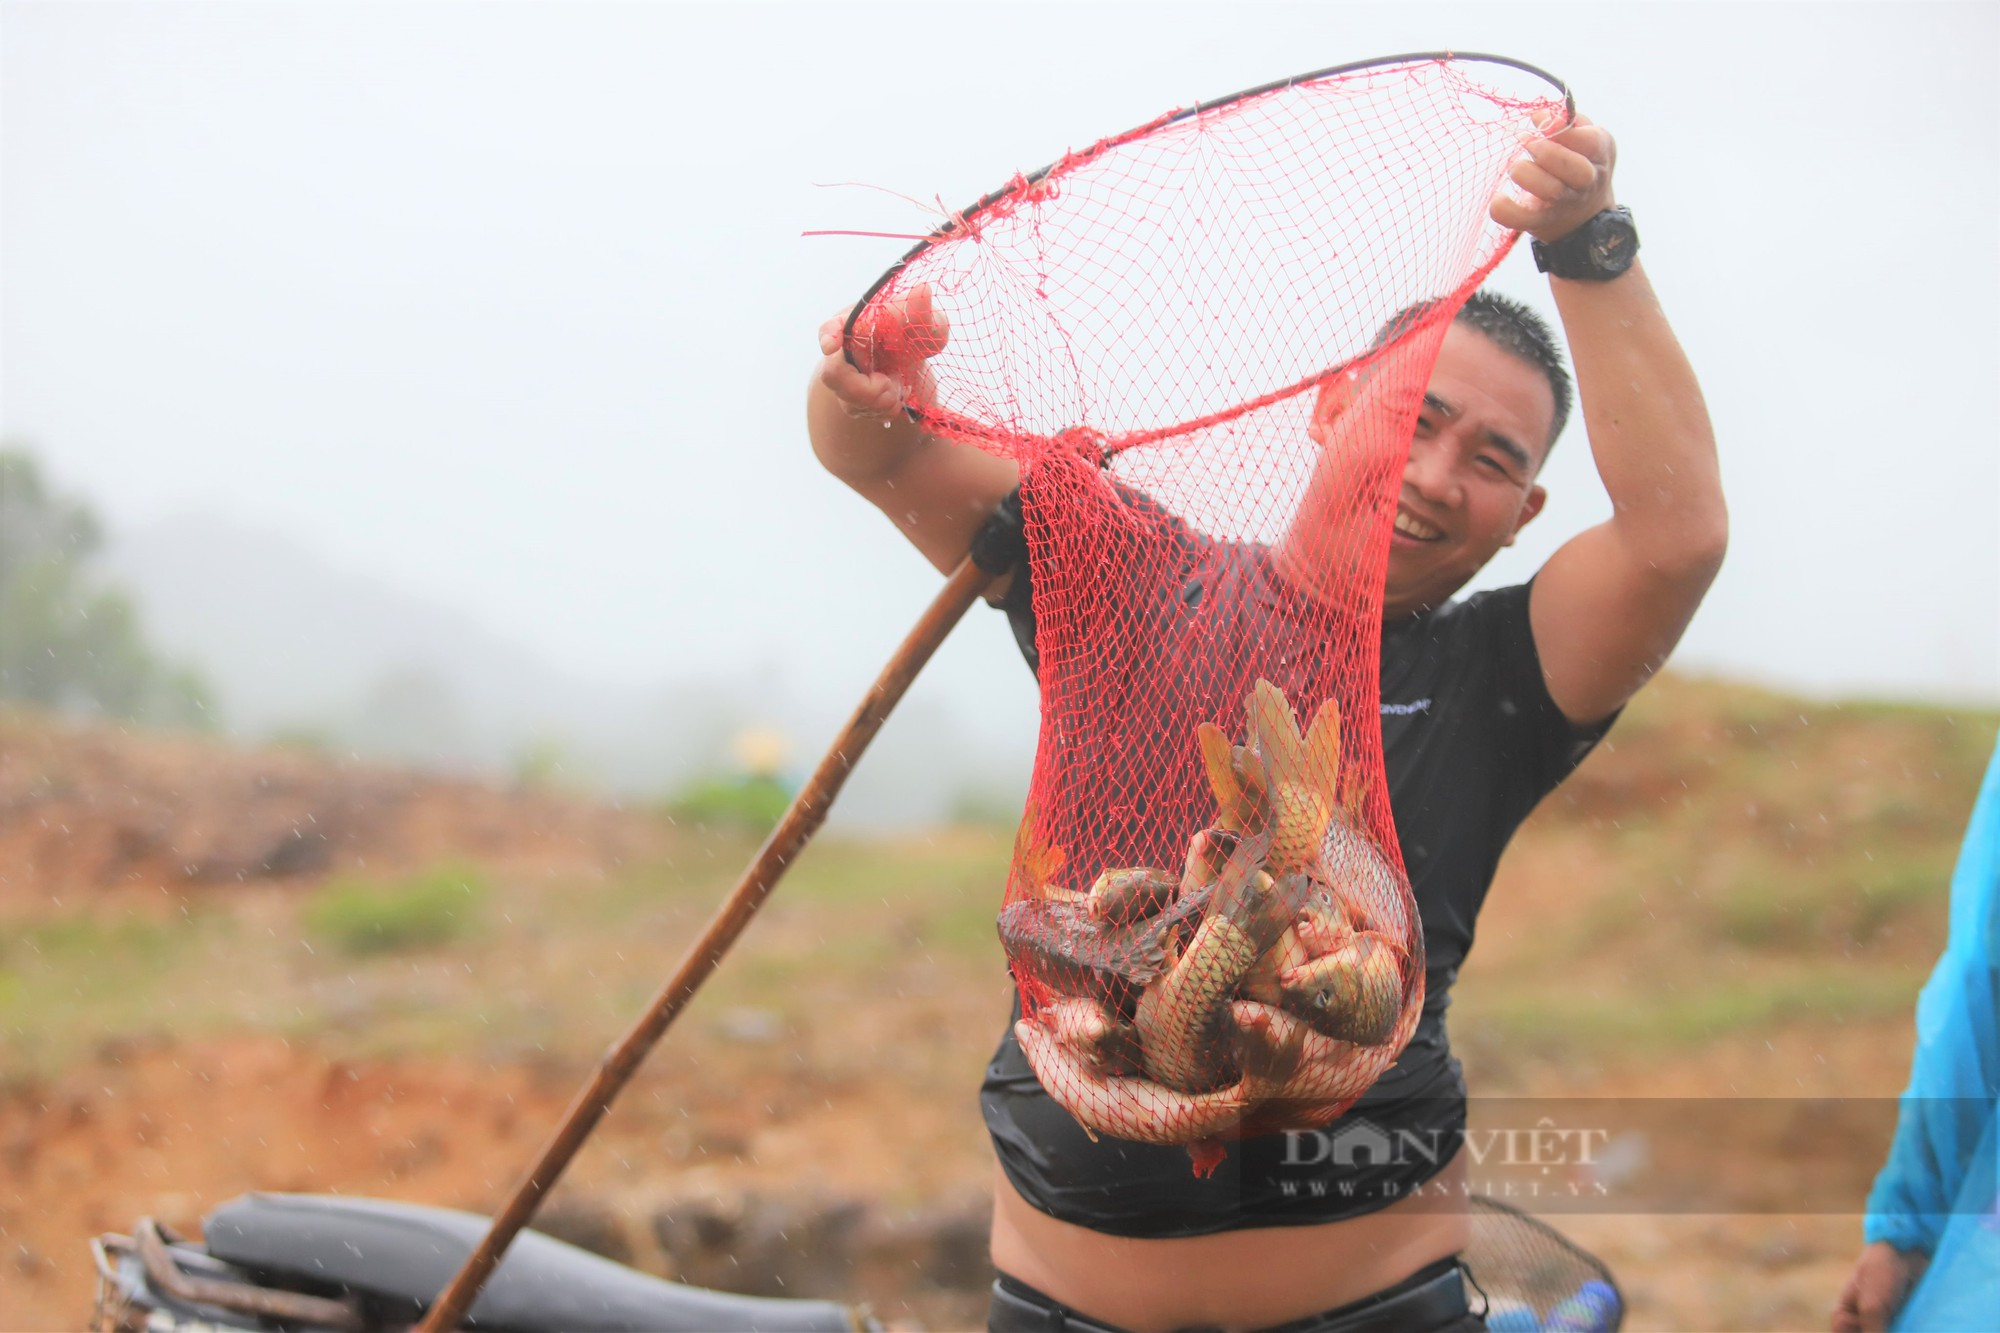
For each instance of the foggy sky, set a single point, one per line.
(508, 304)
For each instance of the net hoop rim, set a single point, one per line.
(960, 220)
(1545, 1231)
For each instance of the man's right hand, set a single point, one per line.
(893, 345)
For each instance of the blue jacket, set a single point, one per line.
(1937, 1191)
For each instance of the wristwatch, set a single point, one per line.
(1598, 251)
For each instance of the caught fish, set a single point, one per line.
(1367, 885)
(1126, 1108)
(1298, 822)
(1321, 925)
(1061, 946)
(1262, 987)
(1302, 770)
(1313, 924)
(1254, 781)
(1270, 1044)
(1208, 854)
(1294, 1077)
(1071, 952)
(1284, 1059)
(1107, 1045)
(1238, 806)
(1183, 1015)
(1260, 983)
(1275, 908)
(1330, 1072)
(1353, 994)
(1121, 896)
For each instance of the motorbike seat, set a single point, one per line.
(406, 1253)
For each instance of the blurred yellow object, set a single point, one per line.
(761, 752)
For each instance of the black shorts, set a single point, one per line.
(1430, 1300)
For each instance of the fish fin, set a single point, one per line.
(1256, 784)
(1206, 1155)
(1234, 892)
(1322, 752)
(1141, 951)
(1215, 757)
(1036, 861)
(1379, 939)
(1274, 732)
(1353, 793)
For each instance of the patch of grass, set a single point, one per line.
(966, 928)
(69, 982)
(1552, 1021)
(1855, 899)
(946, 866)
(752, 803)
(1760, 914)
(1896, 891)
(986, 806)
(363, 917)
(72, 940)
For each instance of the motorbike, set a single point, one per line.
(311, 1263)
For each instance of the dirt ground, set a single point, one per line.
(171, 1126)
(170, 1131)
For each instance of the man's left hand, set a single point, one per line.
(1877, 1288)
(1563, 182)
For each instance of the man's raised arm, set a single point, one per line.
(938, 494)
(1610, 605)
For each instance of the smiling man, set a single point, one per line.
(1487, 704)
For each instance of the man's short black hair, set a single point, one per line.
(1517, 329)
(1513, 328)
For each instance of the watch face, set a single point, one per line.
(1602, 248)
(1613, 243)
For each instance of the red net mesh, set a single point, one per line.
(1205, 343)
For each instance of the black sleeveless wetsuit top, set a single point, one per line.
(1471, 742)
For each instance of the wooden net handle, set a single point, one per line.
(808, 811)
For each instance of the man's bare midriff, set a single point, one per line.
(1233, 1279)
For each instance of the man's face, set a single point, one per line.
(1469, 486)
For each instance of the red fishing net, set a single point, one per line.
(1205, 342)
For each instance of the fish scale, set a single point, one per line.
(1183, 1017)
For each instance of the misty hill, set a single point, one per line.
(94, 807)
(290, 641)
(296, 647)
